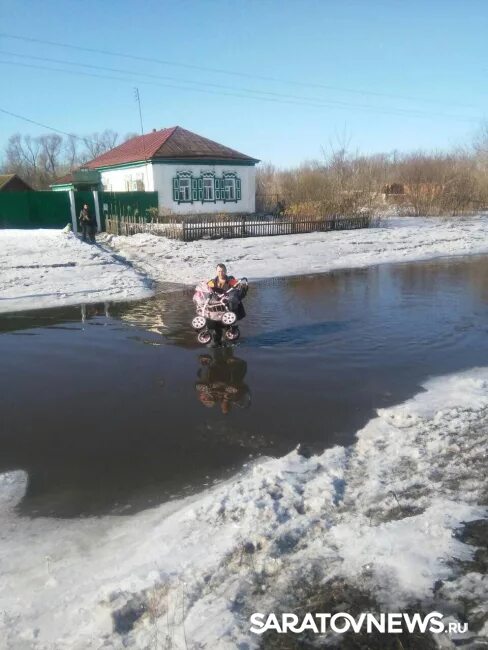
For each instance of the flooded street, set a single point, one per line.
(114, 408)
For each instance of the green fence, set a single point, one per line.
(126, 204)
(47, 209)
(34, 210)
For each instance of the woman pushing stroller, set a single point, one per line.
(219, 306)
(222, 284)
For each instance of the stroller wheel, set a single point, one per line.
(204, 337)
(229, 318)
(198, 322)
(232, 334)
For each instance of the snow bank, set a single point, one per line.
(50, 268)
(398, 239)
(379, 514)
(47, 268)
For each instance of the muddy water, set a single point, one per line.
(115, 407)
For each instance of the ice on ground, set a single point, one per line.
(397, 239)
(51, 268)
(380, 514)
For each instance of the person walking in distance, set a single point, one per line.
(88, 224)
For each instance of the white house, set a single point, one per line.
(190, 173)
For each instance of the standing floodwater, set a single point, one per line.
(112, 408)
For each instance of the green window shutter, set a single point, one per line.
(238, 189)
(200, 195)
(217, 189)
(176, 189)
(200, 183)
(194, 189)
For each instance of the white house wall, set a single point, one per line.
(163, 175)
(115, 180)
(159, 177)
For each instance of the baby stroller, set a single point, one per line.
(217, 314)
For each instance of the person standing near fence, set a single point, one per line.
(88, 224)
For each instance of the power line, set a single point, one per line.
(314, 100)
(327, 104)
(155, 76)
(46, 126)
(165, 77)
(125, 79)
(223, 71)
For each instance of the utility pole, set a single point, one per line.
(138, 100)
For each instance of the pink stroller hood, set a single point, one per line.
(202, 293)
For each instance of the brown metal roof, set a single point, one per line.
(173, 143)
(186, 144)
(64, 180)
(14, 181)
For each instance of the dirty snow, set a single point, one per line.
(380, 514)
(51, 268)
(397, 239)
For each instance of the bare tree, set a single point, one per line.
(342, 182)
(22, 156)
(14, 158)
(51, 146)
(480, 142)
(31, 151)
(40, 160)
(72, 155)
(98, 143)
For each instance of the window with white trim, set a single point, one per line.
(229, 188)
(208, 188)
(184, 190)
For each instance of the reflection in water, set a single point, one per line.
(429, 278)
(94, 310)
(102, 408)
(148, 315)
(221, 380)
(167, 314)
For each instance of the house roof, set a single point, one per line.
(64, 180)
(172, 143)
(5, 179)
(80, 176)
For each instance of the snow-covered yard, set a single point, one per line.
(47, 268)
(379, 515)
(50, 268)
(398, 239)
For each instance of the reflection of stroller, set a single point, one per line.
(217, 314)
(221, 381)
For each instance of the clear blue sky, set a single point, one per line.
(381, 74)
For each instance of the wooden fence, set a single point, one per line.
(244, 227)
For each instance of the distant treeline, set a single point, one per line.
(349, 183)
(40, 160)
(342, 182)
